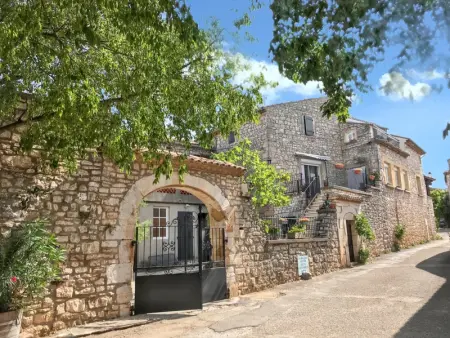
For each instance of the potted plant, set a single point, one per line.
(339, 166)
(297, 231)
(273, 232)
(30, 258)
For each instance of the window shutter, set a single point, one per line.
(309, 126)
(231, 138)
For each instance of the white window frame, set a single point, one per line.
(313, 163)
(159, 217)
(419, 186)
(405, 177)
(350, 136)
(396, 177)
(389, 179)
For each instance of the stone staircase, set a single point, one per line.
(311, 211)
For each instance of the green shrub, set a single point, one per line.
(363, 255)
(30, 258)
(437, 237)
(363, 227)
(296, 228)
(399, 232)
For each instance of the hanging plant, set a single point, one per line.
(339, 165)
(357, 171)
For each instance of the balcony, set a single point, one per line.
(278, 227)
(381, 135)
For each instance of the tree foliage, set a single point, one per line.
(338, 42)
(267, 185)
(117, 76)
(441, 204)
(29, 259)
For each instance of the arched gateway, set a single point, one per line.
(164, 262)
(93, 214)
(174, 264)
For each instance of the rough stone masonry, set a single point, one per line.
(93, 214)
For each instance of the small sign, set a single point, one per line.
(303, 264)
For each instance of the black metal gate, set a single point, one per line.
(178, 265)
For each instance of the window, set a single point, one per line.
(405, 180)
(397, 177)
(419, 186)
(231, 138)
(350, 136)
(309, 126)
(160, 216)
(387, 173)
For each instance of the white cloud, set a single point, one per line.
(427, 75)
(272, 74)
(396, 87)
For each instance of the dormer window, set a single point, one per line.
(231, 138)
(309, 126)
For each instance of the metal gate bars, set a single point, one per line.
(178, 265)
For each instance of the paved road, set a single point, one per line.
(406, 294)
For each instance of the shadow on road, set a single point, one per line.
(432, 320)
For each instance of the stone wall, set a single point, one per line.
(281, 134)
(410, 208)
(84, 211)
(266, 263)
(361, 152)
(385, 207)
(93, 213)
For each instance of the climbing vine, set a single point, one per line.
(363, 228)
(266, 184)
(365, 231)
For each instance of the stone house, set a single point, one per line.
(136, 246)
(111, 269)
(340, 160)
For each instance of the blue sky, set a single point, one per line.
(421, 119)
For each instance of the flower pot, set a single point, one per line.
(296, 235)
(339, 166)
(10, 324)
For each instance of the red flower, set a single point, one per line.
(13, 279)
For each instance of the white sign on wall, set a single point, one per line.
(303, 264)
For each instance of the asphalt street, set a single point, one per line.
(405, 294)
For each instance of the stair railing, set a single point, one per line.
(311, 191)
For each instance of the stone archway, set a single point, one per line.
(210, 194)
